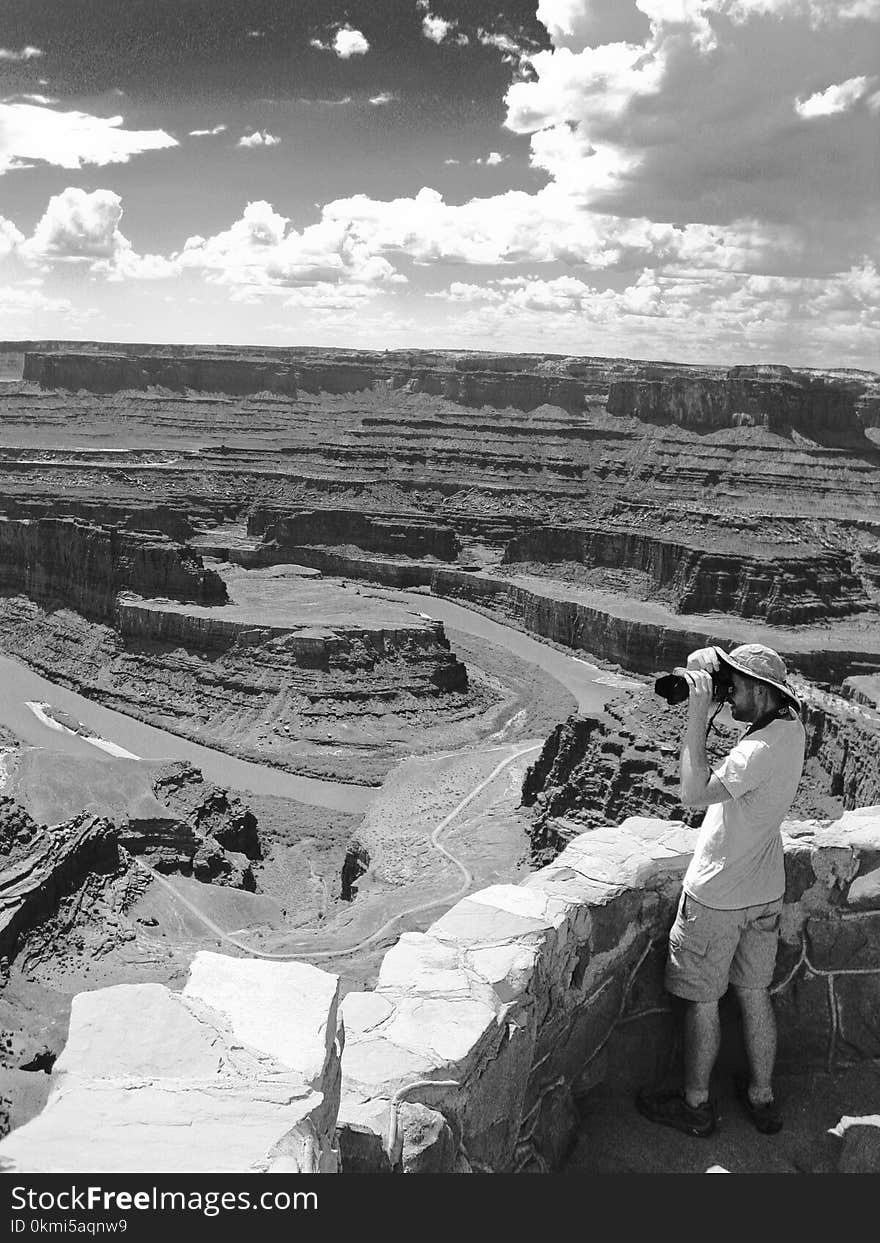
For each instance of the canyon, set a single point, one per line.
(241, 547)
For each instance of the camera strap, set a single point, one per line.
(712, 718)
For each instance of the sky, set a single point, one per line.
(693, 180)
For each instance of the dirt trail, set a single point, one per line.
(307, 951)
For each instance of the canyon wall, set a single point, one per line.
(62, 560)
(781, 588)
(407, 536)
(777, 398)
(829, 408)
(638, 645)
(110, 373)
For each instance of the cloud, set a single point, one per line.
(435, 28)
(694, 123)
(263, 253)
(384, 97)
(70, 139)
(25, 53)
(440, 29)
(834, 99)
(550, 227)
(18, 300)
(10, 237)
(492, 159)
(595, 85)
(202, 133)
(347, 42)
(512, 49)
(82, 229)
(259, 138)
(694, 316)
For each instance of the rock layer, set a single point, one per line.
(783, 588)
(64, 561)
(777, 398)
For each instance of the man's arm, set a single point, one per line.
(698, 786)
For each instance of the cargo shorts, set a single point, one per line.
(709, 949)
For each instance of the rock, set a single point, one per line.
(428, 1144)
(46, 867)
(782, 587)
(411, 537)
(65, 561)
(823, 409)
(239, 1073)
(860, 1153)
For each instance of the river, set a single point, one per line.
(22, 686)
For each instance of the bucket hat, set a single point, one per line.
(754, 660)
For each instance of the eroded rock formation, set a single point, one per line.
(64, 561)
(412, 537)
(595, 770)
(777, 398)
(783, 587)
(166, 813)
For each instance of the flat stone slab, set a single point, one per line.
(239, 1072)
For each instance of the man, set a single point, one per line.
(727, 926)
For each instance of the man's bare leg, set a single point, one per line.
(702, 1040)
(759, 1032)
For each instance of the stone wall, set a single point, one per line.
(483, 1032)
(480, 1044)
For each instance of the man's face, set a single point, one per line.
(746, 701)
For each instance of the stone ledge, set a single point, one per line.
(204, 1080)
(522, 997)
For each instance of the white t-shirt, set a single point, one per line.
(738, 860)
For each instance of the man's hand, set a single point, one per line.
(700, 697)
(703, 658)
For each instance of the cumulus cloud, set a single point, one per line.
(70, 139)
(349, 42)
(26, 53)
(435, 28)
(82, 229)
(259, 138)
(202, 133)
(263, 252)
(693, 120)
(548, 227)
(346, 42)
(697, 316)
(440, 29)
(840, 97)
(10, 237)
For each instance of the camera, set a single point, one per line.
(675, 688)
